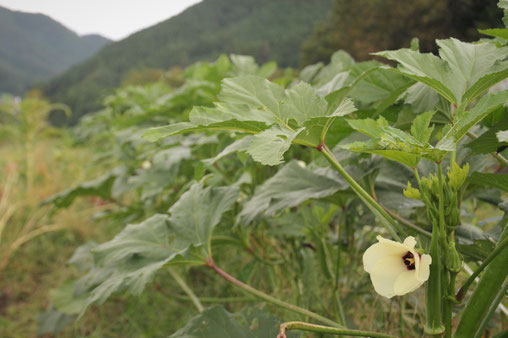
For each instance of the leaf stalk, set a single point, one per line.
(249, 289)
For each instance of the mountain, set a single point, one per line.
(267, 29)
(36, 47)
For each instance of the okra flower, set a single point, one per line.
(396, 268)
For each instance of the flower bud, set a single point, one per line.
(453, 259)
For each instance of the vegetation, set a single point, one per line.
(38, 49)
(391, 24)
(236, 199)
(202, 32)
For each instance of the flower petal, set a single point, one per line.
(385, 273)
(384, 248)
(410, 242)
(423, 269)
(407, 282)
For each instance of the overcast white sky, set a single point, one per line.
(114, 19)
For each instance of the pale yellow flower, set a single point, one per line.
(396, 268)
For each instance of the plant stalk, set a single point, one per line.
(445, 280)
(390, 224)
(326, 329)
(433, 295)
(187, 290)
(268, 298)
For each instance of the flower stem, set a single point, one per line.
(269, 298)
(390, 224)
(407, 223)
(326, 329)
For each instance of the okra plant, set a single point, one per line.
(296, 176)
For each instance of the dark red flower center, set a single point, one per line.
(409, 260)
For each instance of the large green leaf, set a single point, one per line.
(420, 128)
(381, 87)
(268, 147)
(278, 117)
(239, 145)
(428, 69)
(100, 187)
(499, 181)
(463, 72)
(496, 32)
(476, 67)
(246, 65)
(464, 121)
(421, 98)
(131, 259)
(217, 322)
(291, 186)
(394, 143)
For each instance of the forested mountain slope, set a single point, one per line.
(362, 27)
(35, 47)
(266, 29)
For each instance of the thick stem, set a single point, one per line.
(433, 295)
(442, 229)
(186, 289)
(383, 216)
(326, 329)
(269, 298)
(447, 305)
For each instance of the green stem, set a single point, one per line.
(187, 290)
(385, 218)
(407, 223)
(218, 299)
(415, 169)
(336, 294)
(463, 290)
(326, 329)
(442, 230)
(269, 298)
(433, 296)
(447, 305)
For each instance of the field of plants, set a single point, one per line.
(244, 200)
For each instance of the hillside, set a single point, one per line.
(36, 47)
(267, 29)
